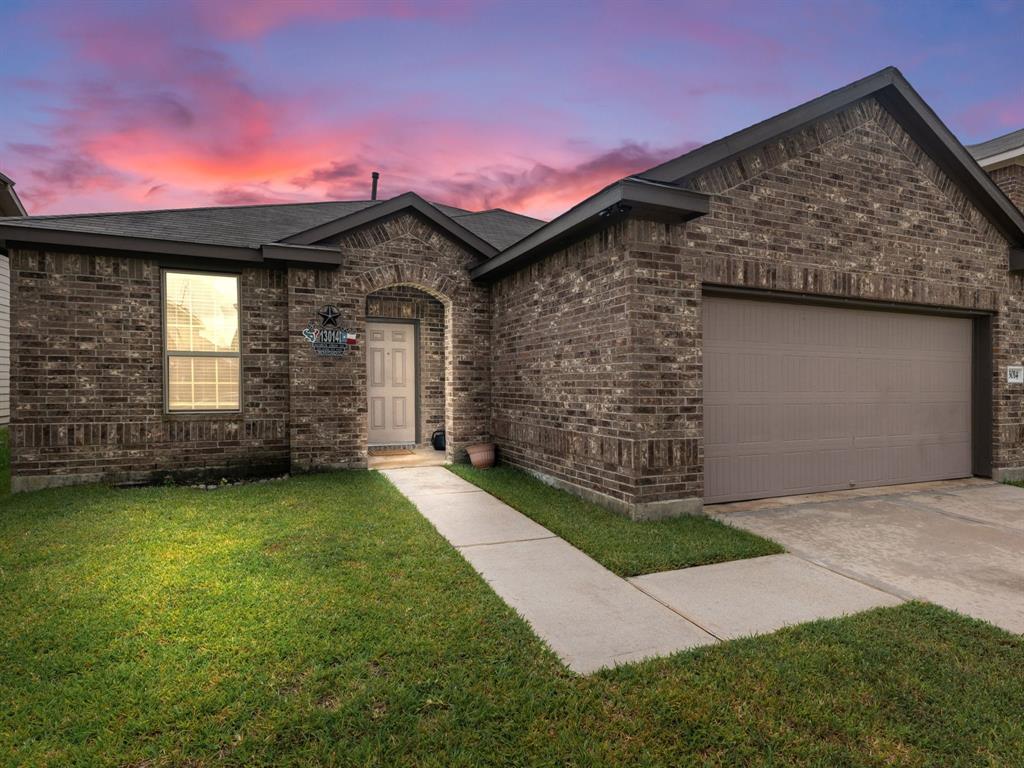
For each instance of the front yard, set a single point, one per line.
(322, 621)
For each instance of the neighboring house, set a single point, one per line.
(1003, 158)
(831, 298)
(10, 205)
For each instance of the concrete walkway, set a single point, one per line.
(592, 618)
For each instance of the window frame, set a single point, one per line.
(167, 353)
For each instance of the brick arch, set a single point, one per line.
(423, 278)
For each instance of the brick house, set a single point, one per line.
(829, 299)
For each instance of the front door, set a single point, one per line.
(391, 382)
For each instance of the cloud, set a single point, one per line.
(247, 196)
(248, 19)
(992, 117)
(547, 188)
(335, 171)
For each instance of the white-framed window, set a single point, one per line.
(202, 350)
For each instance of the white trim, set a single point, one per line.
(1016, 154)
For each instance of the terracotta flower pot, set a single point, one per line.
(481, 455)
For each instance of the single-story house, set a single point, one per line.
(10, 205)
(829, 299)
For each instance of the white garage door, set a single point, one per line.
(800, 398)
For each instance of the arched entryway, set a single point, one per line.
(406, 355)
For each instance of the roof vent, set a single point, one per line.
(373, 185)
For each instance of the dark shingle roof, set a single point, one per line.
(499, 227)
(240, 226)
(998, 145)
(252, 225)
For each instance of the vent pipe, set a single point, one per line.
(373, 185)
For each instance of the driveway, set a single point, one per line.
(959, 544)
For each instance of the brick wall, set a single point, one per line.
(87, 377)
(87, 384)
(561, 370)
(597, 349)
(328, 396)
(405, 303)
(1011, 180)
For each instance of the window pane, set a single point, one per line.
(201, 312)
(202, 383)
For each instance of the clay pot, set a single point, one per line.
(481, 455)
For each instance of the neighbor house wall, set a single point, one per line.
(405, 303)
(1010, 179)
(87, 377)
(5, 338)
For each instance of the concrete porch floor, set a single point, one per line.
(419, 457)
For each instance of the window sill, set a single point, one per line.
(203, 415)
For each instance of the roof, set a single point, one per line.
(230, 231)
(508, 240)
(626, 197)
(888, 86)
(10, 204)
(1000, 149)
(891, 89)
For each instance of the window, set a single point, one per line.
(201, 348)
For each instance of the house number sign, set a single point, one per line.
(1015, 374)
(326, 334)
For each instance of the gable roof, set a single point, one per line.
(486, 232)
(1002, 149)
(893, 91)
(888, 86)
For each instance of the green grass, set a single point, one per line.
(623, 546)
(322, 621)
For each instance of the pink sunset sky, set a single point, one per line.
(528, 106)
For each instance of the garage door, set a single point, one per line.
(800, 399)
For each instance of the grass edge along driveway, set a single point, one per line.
(623, 546)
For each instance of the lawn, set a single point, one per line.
(322, 621)
(623, 546)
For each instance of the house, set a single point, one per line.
(10, 205)
(828, 299)
(1003, 159)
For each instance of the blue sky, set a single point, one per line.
(528, 106)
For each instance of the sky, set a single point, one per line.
(528, 106)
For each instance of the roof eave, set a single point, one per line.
(11, 233)
(387, 209)
(629, 197)
(910, 110)
(1001, 159)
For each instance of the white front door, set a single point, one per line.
(391, 382)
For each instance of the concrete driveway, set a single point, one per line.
(959, 544)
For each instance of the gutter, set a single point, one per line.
(630, 196)
(13, 233)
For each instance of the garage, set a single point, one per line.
(802, 398)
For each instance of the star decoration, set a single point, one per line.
(329, 316)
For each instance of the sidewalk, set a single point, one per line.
(592, 618)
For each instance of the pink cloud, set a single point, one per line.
(548, 189)
(247, 19)
(1002, 113)
(152, 117)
